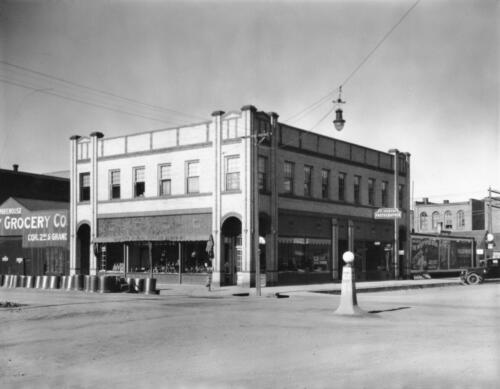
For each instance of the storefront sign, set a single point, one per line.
(388, 213)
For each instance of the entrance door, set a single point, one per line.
(83, 249)
(231, 253)
(11, 249)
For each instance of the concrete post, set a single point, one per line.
(94, 137)
(348, 300)
(73, 199)
(216, 207)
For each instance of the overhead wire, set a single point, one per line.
(96, 90)
(365, 59)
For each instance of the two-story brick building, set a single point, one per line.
(234, 188)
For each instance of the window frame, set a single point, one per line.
(112, 186)
(188, 177)
(341, 182)
(325, 183)
(135, 182)
(371, 191)
(356, 186)
(228, 175)
(288, 178)
(161, 180)
(83, 189)
(262, 173)
(308, 177)
(384, 189)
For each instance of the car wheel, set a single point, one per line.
(473, 279)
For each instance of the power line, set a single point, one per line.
(367, 57)
(48, 92)
(95, 90)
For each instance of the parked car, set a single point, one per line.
(488, 268)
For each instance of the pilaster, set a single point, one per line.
(216, 206)
(94, 137)
(73, 189)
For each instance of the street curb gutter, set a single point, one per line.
(392, 288)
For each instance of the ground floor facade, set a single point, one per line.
(180, 248)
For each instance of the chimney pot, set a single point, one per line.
(15, 167)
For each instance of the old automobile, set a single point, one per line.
(488, 268)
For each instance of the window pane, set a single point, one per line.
(139, 174)
(115, 177)
(193, 185)
(165, 171)
(193, 169)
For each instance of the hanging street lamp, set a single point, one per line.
(339, 120)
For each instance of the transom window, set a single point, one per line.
(193, 177)
(139, 182)
(233, 173)
(165, 180)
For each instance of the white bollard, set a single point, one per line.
(348, 301)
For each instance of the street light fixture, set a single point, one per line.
(339, 120)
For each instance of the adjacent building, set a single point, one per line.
(228, 192)
(34, 225)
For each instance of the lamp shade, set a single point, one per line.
(339, 120)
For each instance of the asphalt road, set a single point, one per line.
(426, 338)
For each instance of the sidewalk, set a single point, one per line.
(333, 288)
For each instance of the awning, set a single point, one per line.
(196, 227)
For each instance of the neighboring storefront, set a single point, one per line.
(34, 237)
(441, 254)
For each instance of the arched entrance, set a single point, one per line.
(83, 249)
(231, 250)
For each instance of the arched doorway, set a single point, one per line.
(83, 249)
(231, 250)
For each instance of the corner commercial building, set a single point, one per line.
(230, 190)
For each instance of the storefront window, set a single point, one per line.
(304, 255)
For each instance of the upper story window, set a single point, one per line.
(288, 173)
(423, 221)
(435, 220)
(325, 183)
(232, 172)
(308, 180)
(165, 184)
(342, 186)
(460, 219)
(193, 177)
(385, 200)
(357, 186)
(114, 183)
(401, 195)
(139, 181)
(371, 191)
(84, 186)
(262, 169)
(448, 220)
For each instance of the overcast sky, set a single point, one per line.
(431, 88)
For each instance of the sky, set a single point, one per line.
(428, 85)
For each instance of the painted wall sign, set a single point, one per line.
(38, 228)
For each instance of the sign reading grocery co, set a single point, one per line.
(37, 228)
(388, 213)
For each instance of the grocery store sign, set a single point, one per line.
(388, 213)
(38, 228)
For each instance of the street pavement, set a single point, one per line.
(416, 337)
